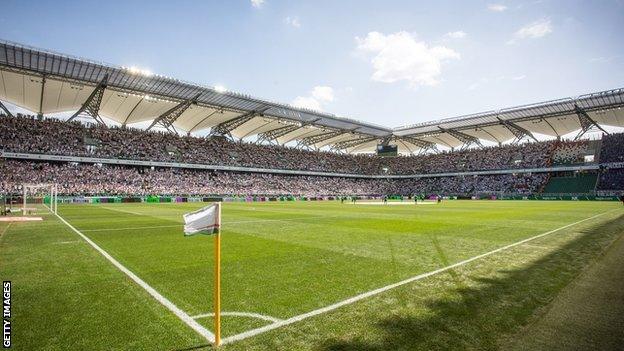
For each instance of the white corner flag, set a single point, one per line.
(205, 220)
(208, 221)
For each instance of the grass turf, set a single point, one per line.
(284, 259)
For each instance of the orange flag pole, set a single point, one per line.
(217, 277)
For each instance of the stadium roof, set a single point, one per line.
(46, 82)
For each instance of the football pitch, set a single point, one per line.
(298, 275)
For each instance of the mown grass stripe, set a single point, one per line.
(184, 317)
(298, 318)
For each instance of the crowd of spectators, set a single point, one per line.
(612, 148)
(54, 137)
(472, 185)
(95, 179)
(51, 136)
(611, 179)
(570, 152)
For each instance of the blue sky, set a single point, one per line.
(387, 62)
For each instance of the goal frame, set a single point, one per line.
(52, 190)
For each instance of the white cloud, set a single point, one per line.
(323, 93)
(497, 7)
(319, 96)
(307, 102)
(293, 21)
(257, 3)
(456, 35)
(521, 77)
(536, 29)
(400, 56)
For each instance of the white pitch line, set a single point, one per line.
(5, 230)
(184, 317)
(241, 314)
(357, 298)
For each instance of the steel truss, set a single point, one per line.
(167, 119)
(343, 145)
(273, 135)
(310, 141)
(280, 132)
(91, 106)
(519, 132)
(5, 109)
(586, 122)
(422, 144)
(225, 128)
(463, 137)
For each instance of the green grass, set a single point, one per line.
(285, 259)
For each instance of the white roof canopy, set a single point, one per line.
(47, 82)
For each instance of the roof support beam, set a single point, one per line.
(463, 137)
(320, 138)
(302, 125)
(298, 137)
(491, 135)
(347, 144)
(273, 135)
(516, 130)
(167, 119)
(40, 112)
(91, 106)
(253, 131)
(226, 128)
(5, 109)
(204, 119)
(586, 122)
(132, 111)
(422, 144)
(551, 127)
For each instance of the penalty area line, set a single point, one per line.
(285, 322)
(183, 316)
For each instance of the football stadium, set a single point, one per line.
(145, 212)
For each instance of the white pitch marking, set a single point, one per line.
(5, 230)
(367, 294)
(241, 314)
(155, 294)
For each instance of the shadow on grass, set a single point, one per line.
(479, 314)
(196, 347)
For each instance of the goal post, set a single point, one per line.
(35, 194)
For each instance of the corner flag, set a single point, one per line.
(208, 221)
(205, 220)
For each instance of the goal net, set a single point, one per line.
(37, 196)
